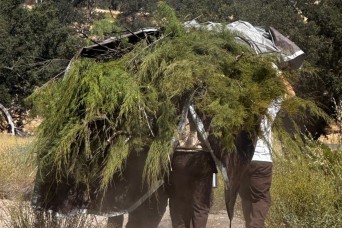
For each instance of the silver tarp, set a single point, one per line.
(261, 39)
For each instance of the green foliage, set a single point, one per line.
(326, 15)
(103, 27)
(85, 114)
(5, 96)
(205, 10)
(118, 153)
(135, 14)
(306, 189)
(167, 16)
(34, 47)
(102, 111)
(315, 26)
(38, 98)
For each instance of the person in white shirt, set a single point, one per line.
(256, 180)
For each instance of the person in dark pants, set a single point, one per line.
(190, 188)
(255, 193)
(257, 178)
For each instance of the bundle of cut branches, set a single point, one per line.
(101, 110)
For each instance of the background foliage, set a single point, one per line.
(306, 189)
(34, 47)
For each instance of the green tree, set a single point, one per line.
(34, 47)
(327, 16)
(316, 27)
(135, 12)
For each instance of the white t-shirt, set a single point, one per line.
(263, 148)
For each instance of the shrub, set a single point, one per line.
(306, 191)
(104, 27)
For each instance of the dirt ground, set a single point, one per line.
(217, 220)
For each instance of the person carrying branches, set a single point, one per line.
(257, 177)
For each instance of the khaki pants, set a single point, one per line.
(255, 193)
(191, 189)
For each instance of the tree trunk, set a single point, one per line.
(9, 118)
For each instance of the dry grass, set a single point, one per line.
(334, 138)
(16, 172)
(20, 214)
(334, 134)
(9, 142)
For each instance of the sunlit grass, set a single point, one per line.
(16, 171)
(9, 142)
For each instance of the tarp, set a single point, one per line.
(262, 39)
(110, 48)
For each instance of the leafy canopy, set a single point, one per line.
(34, 47)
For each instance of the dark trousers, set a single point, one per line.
(191, 189)
(255, 193)
(147, 215)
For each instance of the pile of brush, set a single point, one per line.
(101, 110)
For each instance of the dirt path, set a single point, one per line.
(217, 220)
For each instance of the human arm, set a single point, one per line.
(288, 89)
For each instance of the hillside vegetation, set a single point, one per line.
(137, 97)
